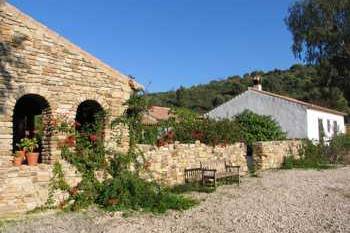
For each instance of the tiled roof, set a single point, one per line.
(307, 105)
(156, 114)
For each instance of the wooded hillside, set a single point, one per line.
(300, 82)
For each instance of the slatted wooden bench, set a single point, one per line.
(211, 171)
(218, 170)
(193, 175)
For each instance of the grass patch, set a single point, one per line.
(192, 187)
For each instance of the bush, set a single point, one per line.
(121, 188)
(128, 191)
(188, 127)
(339, 149)
(322, 155)
(256, 127)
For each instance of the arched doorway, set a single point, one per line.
(90, 117)
(30, 119)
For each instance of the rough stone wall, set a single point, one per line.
(269, 155)
(35, 60)
(167, 164)
(24, 188)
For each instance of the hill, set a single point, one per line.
(299, 81)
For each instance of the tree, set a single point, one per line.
(254, 127)
(180, 97)
(321, 35)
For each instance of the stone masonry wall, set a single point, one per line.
(269, 155)
(167, 163)
(35, 60)
(24, 188)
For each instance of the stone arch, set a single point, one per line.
(82, 98)
(12, 99)
(31, 118)
(86, 112)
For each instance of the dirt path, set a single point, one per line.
(280, 201)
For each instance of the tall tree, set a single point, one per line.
(321, 35)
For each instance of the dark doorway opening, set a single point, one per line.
(31, 116)
(90, 118)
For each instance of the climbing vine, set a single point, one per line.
(120, 186)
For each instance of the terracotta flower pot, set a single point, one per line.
(21, 154)
(17, 161)
(32, 158)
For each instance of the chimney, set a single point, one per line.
(257, 83)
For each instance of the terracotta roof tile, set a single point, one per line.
(156, 114)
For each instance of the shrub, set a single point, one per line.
(122, 188)
(322, 155)
(339, 149)
(128, 191)
(256, 127)
(188, 127)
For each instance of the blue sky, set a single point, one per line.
(168, 43)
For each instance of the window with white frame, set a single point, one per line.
(328, 126)
(335, 127)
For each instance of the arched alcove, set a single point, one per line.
(89, 113)
(30, 119)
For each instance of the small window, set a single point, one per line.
(335, 127)
(320, 129)
(328, 126)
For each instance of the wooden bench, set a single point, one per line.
(211, 171)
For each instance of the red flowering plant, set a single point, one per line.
(167, 138)
(121, 188)
(198, 135)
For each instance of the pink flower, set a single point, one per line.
(93, 137)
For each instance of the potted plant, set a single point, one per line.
(18, 159)
(21, 152)
(30, 145)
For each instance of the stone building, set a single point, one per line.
(297, 118)
(43, 76)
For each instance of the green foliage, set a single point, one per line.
(312, 156)
(28, 144)
(57, 182)
(322, 155)
(192, 187)
(187, 127)
(339, 149)
(121, 187)
(254, 127)
(321, 32)
(300, 82)
(128, 191)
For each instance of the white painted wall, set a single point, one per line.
(312, 124)
(290, 116)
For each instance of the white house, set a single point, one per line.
(297, 118)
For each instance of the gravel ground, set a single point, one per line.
(279, 201)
